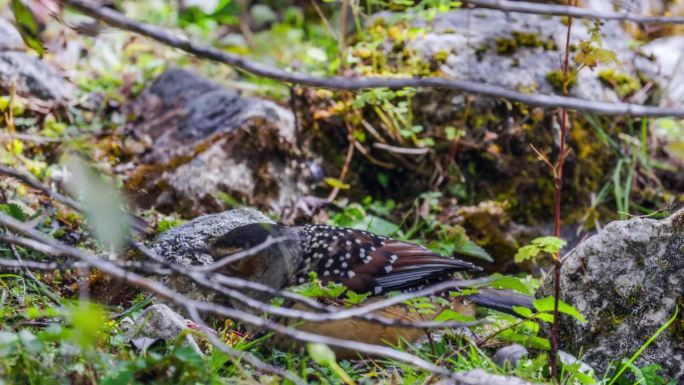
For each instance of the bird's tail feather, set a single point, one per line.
(501, 300)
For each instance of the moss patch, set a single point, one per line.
(555, 79)
(623, 84)
(508, 46)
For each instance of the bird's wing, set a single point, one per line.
(400, 265)
(365, 262)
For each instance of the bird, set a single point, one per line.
(367, 263)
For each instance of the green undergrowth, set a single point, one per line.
(471, 175)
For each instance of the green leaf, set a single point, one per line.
(551, 245)
(188, 355)
(27, 26)
(13, 210)
(452, 315)
(321, 353)
(508, 283)
(523, 311)
(526, 253)
(88, 320)
(336, 183)
(472, 249)
(103, 204)
(354, 298)
(546, 305)
(526, 340)
(546, 317)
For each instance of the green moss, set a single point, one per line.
(508, 46)
(555, 78)
(527, 39)
(440, 56)
(505, 46)
(623, 84)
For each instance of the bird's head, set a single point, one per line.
(244, 237)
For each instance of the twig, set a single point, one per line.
(402, 150)
(118, 20)
(240, 354)
(29, 180)
(345, 167)
(558, 190)
(40, 285)
(572, 11)
(270, 241)
(332, 313)
(58, 248)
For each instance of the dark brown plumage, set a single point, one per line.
(362, 261)
(367, 263)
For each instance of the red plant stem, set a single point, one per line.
(558, 176)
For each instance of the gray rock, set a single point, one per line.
(205, 139)
(186, 245)
(509, 355)
(481, 377)
(32, 77)
(669, 54)
(470, 40)
(626, 280)
(11, 39)
(158, 322)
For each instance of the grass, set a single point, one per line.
(55, 332)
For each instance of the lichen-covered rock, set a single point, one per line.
(158, 322)
(202, 140)
(522, 51)
(627, 280)
(11, 39)
(482, 377)
(186, 245)
(32, 77)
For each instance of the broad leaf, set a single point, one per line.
(27, 26)
(546, 305)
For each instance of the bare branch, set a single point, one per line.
(364, 312)
(241, 354)
(270, 241)
(163, 291)
(33, 183)
(565, 10)
(118, 20)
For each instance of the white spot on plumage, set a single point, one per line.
(393, 258)
(351, 274)
(377, 290)
(388, 268)
(336, 271)
(326, 273)
(348, 243)
(344, 265)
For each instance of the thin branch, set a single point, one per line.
(402, 150)
(270, 241)
(33, 183)
(163, 291)
(571, 11)
(215, 280)
(364, 312)
(118, 20)
(558, 190)
(241, 354)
